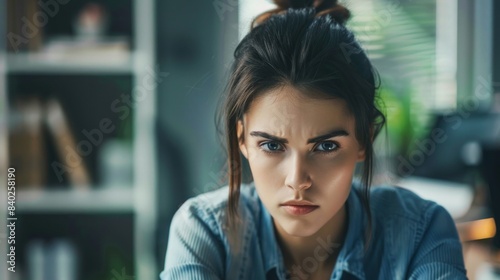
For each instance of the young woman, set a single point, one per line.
(301, 108)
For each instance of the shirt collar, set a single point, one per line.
(350, 257)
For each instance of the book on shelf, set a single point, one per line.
(27, 143)
(35, 254)
(24, 31)
(71, 162)
(55, 260)
(31, 120)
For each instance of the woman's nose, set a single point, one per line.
(298, 177)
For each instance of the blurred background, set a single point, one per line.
(107, 122)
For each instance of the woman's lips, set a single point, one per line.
(299, 210)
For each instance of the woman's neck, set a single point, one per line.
(320, 248)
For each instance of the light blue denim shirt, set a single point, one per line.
(412, 238)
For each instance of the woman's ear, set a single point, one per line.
(240, 137)
(361, 154)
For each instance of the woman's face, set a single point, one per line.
(300, 148)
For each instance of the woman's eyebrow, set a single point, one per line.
(333, 133)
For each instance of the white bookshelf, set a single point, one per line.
(138, 199)
(144, 144)
(43, 64)
(113, 200)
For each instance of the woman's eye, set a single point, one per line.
(327, 146)
(271, 146)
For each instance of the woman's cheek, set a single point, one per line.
(261, 164)
(332, 168)
(262, 158)
(328, 162)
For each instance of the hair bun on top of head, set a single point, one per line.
(323, 7)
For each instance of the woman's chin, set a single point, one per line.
(299, 229)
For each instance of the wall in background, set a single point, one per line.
(195, 43)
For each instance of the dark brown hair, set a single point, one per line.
(306, 45)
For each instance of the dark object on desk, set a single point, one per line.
(459, 153)
(470, 149)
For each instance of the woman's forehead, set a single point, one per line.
(286, 103)
(293, 94)
(288, 109)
